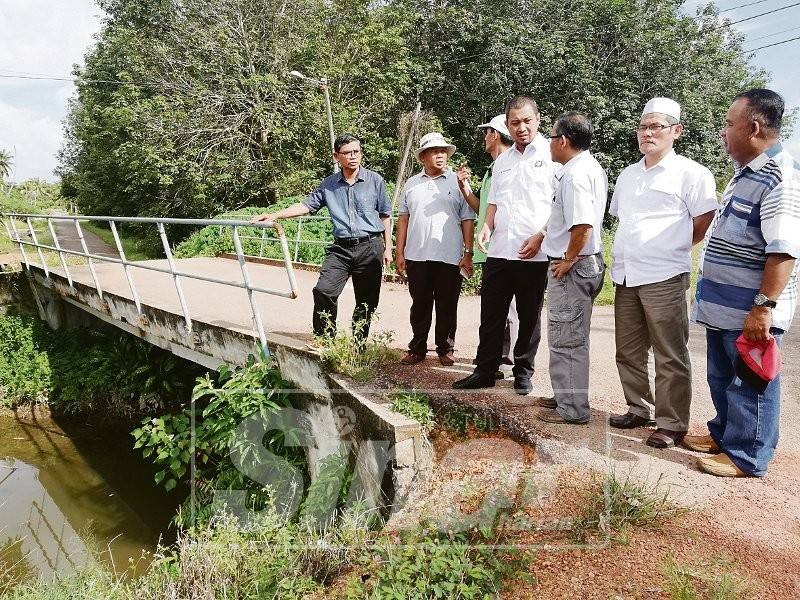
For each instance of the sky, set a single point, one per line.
(49, 36)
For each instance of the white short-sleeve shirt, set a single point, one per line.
(435, 209)
(580, 199)
(522, 190)
(656, 207)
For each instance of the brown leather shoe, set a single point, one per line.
(411, 358)
(447, 360)
(553, 416)
(545, 402)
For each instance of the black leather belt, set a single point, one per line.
(355, 241)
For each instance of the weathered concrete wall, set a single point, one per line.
(15, 294)
(386, 448)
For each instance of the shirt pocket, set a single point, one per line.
(364, 202)
(666, 196)
(736, 218)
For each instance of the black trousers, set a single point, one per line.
(364, 263)
(433, 283)
(503, 280)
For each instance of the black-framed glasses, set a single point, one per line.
(654, 127)
(555, 137)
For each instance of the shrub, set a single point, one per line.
(415, 405)
(350, 354)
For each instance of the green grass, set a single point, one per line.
(615, 506)
(135, 248)
(713, 580)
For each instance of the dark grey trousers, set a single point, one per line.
(569, 309)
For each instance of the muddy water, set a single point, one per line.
(71, 494)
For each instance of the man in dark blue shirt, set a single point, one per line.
(360, 211)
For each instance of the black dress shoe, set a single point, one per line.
(629, 421)
(474, 382)
(522, 385)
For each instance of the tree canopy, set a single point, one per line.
(184, 108)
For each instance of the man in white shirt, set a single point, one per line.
(435, 232)
(664, 203)
(519, 207)
(572, 242)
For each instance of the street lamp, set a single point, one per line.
(323, 85)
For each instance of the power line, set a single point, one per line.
(742, 6)
(771, 45)
(769, 12)
(761, 37)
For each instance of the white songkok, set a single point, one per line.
(665, 106)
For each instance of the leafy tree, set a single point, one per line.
(185, 107)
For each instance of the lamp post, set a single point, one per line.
(323, 85)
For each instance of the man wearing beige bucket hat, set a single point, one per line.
(435, 231)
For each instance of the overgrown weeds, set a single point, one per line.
(353, 354)
(710, 580)
(415, 405)
(612, 506)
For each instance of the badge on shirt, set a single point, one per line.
(538, 163)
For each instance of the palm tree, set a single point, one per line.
(5, 164)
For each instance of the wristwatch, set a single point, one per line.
(467, 250)
(762, 300)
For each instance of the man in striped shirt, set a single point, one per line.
(748, 285)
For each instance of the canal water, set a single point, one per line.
(70, 494)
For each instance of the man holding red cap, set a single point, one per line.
(747, 292)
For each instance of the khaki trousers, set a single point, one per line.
(655, 316)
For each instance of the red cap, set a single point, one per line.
(762, 358)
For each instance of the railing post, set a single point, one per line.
(181, 298)
(60, 253)
(297, 238)
(38, 248)
(287, 261)
(258, 325)
(79, 229)
(124, 260)
(17, 239)
(261, 243)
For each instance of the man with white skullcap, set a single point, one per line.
(664, 203)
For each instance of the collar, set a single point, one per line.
(668, 159)
(359, 175)
(762, 159)
(572, 162)
(444, 174)
(533, 147)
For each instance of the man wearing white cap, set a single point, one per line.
(435, 232)
(496, 140)
(665, 204)
(519, 206)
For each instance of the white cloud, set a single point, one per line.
(40, 36)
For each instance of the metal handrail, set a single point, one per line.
(298, 240)
(14, 234)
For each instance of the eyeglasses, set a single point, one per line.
(555, 137)
(349, 153)
(654, 127)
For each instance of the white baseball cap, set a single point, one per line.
(497, 123)
(434, 140)
(665, 106)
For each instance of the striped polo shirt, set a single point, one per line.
(760, 215)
